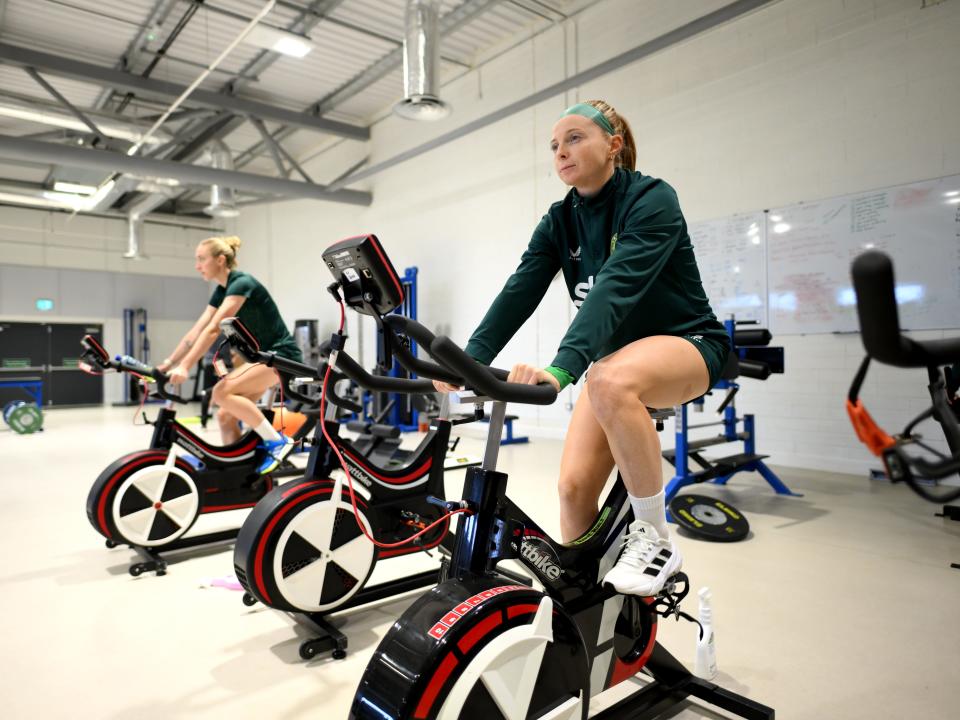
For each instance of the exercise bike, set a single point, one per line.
(149, 499)
(480, 645)
(906, 457)
(300, 550)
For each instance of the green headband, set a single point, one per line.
(591, 113)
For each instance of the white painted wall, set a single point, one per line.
(56, 239)
(801, 100)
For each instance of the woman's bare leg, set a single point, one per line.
(236, 394)
(584, 468)
(656, 372)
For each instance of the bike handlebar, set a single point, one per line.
(351, 368)
(455, 363)
(132, 365)
(418, 333)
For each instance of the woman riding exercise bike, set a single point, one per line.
(644, 321)
(237, 295)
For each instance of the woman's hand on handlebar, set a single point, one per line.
(164, 366)
(445, 387)
(178, 375)
(532, 375)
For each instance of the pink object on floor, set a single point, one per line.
(229, 582)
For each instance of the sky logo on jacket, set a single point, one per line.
(581, 291)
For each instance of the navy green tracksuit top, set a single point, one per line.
(629, 267)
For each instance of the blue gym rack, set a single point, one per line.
(720, 470)
(402, 404)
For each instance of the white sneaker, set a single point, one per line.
(646, 562)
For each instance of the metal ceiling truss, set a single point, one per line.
(271, 143)
(228, 110)
(97, 74)
(307, 19)
(156, 16)
(449, 23)
(38, 78)
(110, 162)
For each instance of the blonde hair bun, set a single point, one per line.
(226, 245)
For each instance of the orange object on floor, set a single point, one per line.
(287, 422)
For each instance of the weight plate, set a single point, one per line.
(25, 419)
(10, 407)
(708, 518)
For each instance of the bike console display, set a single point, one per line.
(370, 284)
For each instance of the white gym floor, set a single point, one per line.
(841, 604)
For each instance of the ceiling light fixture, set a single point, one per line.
(281, 41)
(75, 188)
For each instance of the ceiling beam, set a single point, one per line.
(449, 23)
(271, 143)
(97, 74)
(156, 16)
(39, 79)
(73, 156)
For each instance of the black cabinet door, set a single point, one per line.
(66, 383)
(24, 347)
(50, 352)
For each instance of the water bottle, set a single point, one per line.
(705, 662)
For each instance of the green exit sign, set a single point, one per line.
(44, 304)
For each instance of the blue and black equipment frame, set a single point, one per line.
(754, 359)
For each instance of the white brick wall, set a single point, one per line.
(802, 100)
(57, 239)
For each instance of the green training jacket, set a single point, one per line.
(629, 267)
(259, 314)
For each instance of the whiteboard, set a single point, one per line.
(731, 255)
(810, 247)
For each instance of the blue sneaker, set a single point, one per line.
(277, 450)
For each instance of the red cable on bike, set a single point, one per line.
(343, 464)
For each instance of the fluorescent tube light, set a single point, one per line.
(281, 41)
(75, 188)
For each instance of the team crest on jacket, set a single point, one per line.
(613, 242)
(575, 254)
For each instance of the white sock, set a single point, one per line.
(266, 431)
(651, 510)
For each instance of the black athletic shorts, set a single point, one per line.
(715, 348)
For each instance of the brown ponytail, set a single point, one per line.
(627, 158)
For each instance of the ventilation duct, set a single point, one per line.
(222, 202)
(135, 214)
(421, 63)
(134, 228)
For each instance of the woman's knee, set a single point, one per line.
(613, 387)
(221, 390)
(224, 417)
